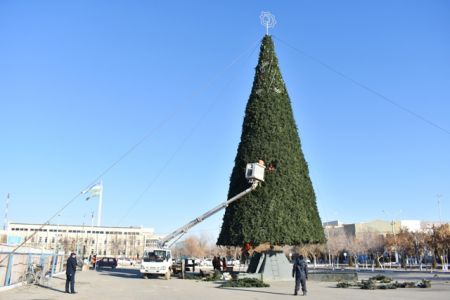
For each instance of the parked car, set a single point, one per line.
(206, 262)
(123, 261)
(233, 262)
(107, 262)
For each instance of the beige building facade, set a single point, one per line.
(84, 240)
(381, 227)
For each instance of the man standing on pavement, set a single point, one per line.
(300, 270)
(71, 268)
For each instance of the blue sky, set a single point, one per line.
(81, 82)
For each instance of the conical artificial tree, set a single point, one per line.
(283, 211)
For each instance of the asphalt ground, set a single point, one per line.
(126, 283)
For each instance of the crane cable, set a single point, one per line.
(367, 88)
(151, 132)
(185, 139)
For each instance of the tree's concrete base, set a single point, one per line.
(269, 265)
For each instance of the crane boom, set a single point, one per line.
(159, 261)
(182, 230)
(254, 173)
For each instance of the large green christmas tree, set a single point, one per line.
(283, 211)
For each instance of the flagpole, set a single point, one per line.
(100, 200)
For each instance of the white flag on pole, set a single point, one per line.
(94, 191)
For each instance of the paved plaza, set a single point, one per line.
(126, 284)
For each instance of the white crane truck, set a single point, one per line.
(158, 261)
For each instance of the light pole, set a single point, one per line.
(55, 254)
(439, 196)
(393, 231)
(92, 231)
(328, 246)
(327, 227)
(57, 232)
(83, 241)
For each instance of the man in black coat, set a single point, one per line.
(216, 263)
(71, 268)
(300, 270)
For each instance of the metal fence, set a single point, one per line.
(14, 268)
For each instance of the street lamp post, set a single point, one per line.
(329, 252)
(55, 254)
(439, 196)
(393, 233)
(84, 237)
(57, 233)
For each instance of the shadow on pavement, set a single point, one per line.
(50, 288)
(255, 291)
(123, 273)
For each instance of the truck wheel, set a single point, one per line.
(167, 275)
(145, 276)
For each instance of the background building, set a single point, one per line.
(84, 240)
(380, 227)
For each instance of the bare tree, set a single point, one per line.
(192, 246)
(337, 242)
(312, 251)
(69, 244)
(420, 246)
(354, 248)
(439, 242)
(115, 245)
(371, 244)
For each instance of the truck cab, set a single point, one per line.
(156, 262)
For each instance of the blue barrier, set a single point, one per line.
(18, 263)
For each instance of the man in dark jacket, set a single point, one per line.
(71, 268)
(300, 270)
(216, 263)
